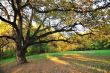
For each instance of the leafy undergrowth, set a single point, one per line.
(64, 62)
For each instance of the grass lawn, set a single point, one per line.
(40, 56)
(95, 61)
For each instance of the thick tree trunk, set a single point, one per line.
(20, 57)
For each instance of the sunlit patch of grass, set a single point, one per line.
(84, 58)
(57, 60)
(95, 65)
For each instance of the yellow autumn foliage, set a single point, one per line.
(5, 29)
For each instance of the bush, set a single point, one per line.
(100, 44)
(37, 49)
(8, 54)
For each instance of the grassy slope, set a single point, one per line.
(40, 56)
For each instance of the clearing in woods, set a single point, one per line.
(64, 62)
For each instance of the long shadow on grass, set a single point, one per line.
(83, 63)
(63, 64)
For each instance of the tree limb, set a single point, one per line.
(36, 31)
(65, 28)
(29, 27)
(44, 41)
(5, 11)
(7, 37)
(9, 22)
(69, 9)
(3, 19)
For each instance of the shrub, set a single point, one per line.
(100, 44)
(37, 49)
(8, 54)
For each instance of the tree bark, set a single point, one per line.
(20, 56)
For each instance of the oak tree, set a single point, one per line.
(22, 14)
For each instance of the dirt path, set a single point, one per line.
(66, 64)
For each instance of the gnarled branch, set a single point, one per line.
(47, 41)
(7, 37)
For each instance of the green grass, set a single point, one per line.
(42, 56)
(5, 61)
